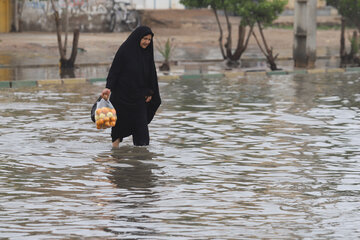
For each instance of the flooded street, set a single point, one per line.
(29, 67)
(244, 158)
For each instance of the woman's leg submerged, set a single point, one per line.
(141, 130)
(141, 136)
(116, 143)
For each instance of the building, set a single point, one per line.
(157, 4)
(5, 16)
(36, 13)
(175, 4)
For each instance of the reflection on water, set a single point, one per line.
(16, 67)
(130, 171)
(5, 73)
(35, 73)
(255, 157)
(127, 168)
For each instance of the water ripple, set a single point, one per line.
(256, 157)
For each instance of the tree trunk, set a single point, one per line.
(17, 13)
(268, 52)
(221, 34)
(70, 63)
(165, 66)
(242, 43)
(66, 27)
(228, 44)
(58, 30)
(64, 62)
(67, 72)
(342, 44)
(243, 40)
(232, 59)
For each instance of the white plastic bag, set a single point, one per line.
(105, 114)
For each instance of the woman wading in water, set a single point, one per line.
(133, 88)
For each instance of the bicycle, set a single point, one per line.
(123, 13)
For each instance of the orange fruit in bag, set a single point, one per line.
(105, 110)
(105, 117)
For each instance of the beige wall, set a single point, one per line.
(320, 4)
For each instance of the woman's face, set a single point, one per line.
(145, 41)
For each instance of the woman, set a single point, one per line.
(132, 82)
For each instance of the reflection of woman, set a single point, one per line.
(132, 82)
(133, 169)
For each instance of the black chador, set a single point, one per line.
(132, 77)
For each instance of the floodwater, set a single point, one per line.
(38, 67)
(246, 158)
(51, 72)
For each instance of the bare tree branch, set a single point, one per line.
(66, 25)
(228, 43)
(268, 52)
(75, 45)
(242, 47)
(263, 38)
(221, 33)
(58, 31)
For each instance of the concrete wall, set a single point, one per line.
(88, 15)
(92, 15)
(320, 4)
(157, 4)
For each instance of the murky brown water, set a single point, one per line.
(37, 67)
(249, 158)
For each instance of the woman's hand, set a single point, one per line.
(105, 93)
(148, 98)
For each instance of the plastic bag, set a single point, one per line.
(93, 109)
(105, 114)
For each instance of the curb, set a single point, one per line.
(49, 81)
(168, 77)
(226, 74)
(44, 82)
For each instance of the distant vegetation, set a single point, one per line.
(350, 12)
(253, 13)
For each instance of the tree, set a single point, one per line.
(227, 6)
(251, 12)
(349, 9)
(166, 50)
(65, 63)
(350, 12)
(265, 12)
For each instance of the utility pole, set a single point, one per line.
(304, 51)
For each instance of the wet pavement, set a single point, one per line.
(274, 157)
